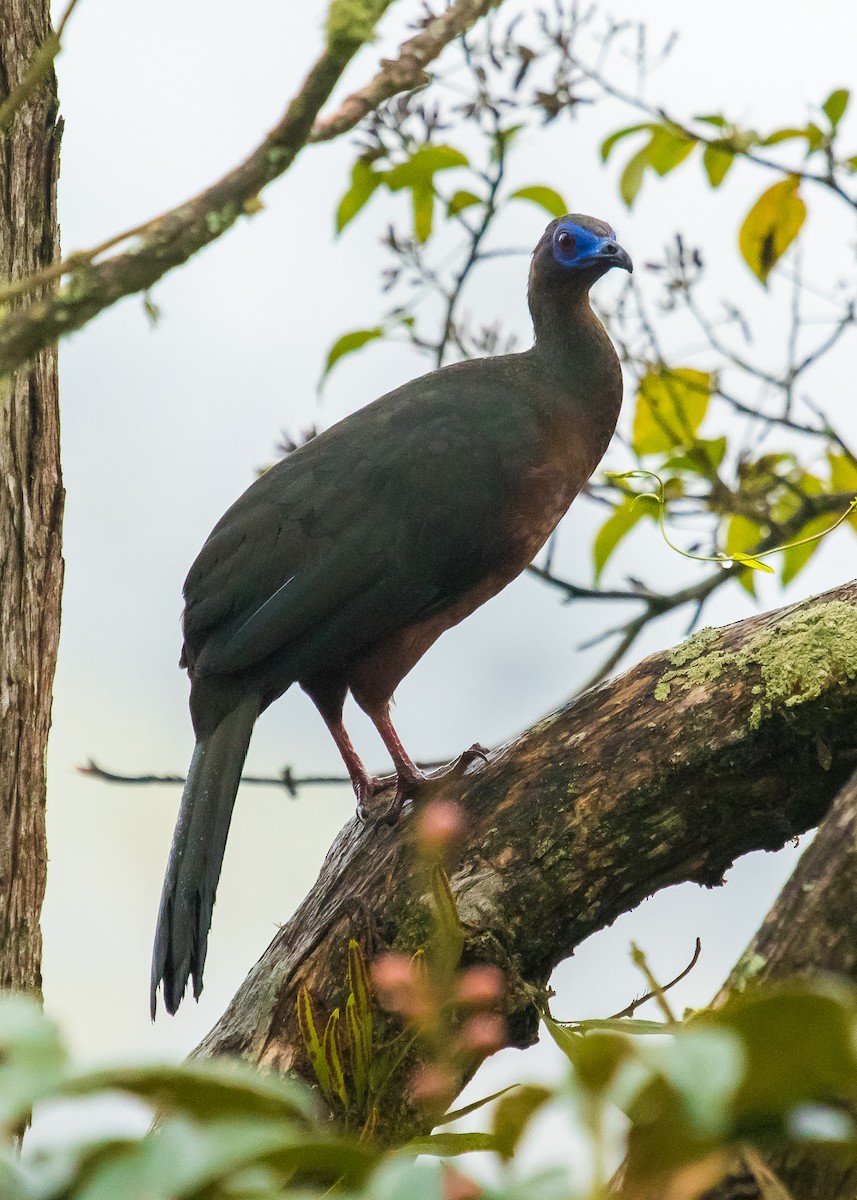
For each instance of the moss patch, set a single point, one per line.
(801, 658)
(352, 22)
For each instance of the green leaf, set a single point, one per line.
(705, 1067)
(702, 458)
(771, 226)
(503, 139)
(631, 179)
(180, 1158)
(684, 1111)
(795, 558)
(799, 1044)
(422, 202)
(555, 1184)
(596, 1059)
(564, 1038)
(312, 1042)
(783, 135)
(843, 478)
(742, 536)
(835, 105)
(459, 201)
(449, 932)
(356, 1052)
(458, 1113)
(671, 403)
(715, 119)
(668, 148)
(202, 1088)
(717, 162)
(364, 181)
(608, 143)
(32, 1057)
(815, 137)
(14, 1185)
(347, 344)
(620, 523)
(402, 1179)
(513, 1114)
(548, 199)
(330, 1050)
(449, 1145)
(422, 165)
(635, 1026)
(360, 988)
(755, 564)
(417, 174)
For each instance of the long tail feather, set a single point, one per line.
(196, 856)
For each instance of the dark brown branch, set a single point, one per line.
(811, 930)
(171, 239)
(665, 774)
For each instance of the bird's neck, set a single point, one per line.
(565, 328)
(578, 369)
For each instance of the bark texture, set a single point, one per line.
(811, 930)
(736, 740)
(31, 504)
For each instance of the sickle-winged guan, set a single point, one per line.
(340, 566)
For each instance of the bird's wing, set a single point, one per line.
(391, 514)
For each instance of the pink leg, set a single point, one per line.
(361, 780)
(329, 701)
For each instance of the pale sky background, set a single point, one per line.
(163, 427)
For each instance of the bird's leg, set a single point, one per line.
(329, 699)
(362, 782)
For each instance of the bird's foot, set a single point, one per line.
(367, 788)
(418, 783)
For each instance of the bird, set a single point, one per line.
(341, 565)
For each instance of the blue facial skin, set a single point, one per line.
(586, 249)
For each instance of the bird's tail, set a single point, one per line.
(190, 884)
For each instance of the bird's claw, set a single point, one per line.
(412, 786)
(391, 816)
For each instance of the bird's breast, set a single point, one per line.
(549, 486)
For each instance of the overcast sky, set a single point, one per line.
(163, 427)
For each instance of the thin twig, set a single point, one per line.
(641, 1000)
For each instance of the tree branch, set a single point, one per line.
(406, 72)
(171, 239)
(665, 774)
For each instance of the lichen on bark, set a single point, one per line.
(796, 662)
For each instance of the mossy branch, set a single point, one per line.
(737, 740)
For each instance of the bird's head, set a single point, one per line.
(573, 252)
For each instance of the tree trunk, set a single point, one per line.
(811, 930)
(737, 740)
(31, 504)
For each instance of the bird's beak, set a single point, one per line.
(613, 255)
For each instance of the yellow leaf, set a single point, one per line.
(671, 403)
(742, 536)
(843, 478)
(745, 560)
(771, 225)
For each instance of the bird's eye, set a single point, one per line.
(565, 242)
